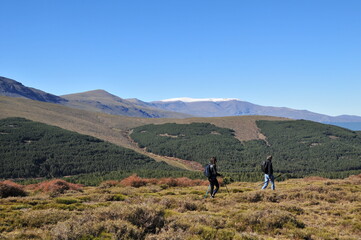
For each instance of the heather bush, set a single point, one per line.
(169, 234)
(66, 200)
(11, 189)
(55, 187)
(134, 181)
(39, 218)
(109, 183)
(148, 218)
(354, 179)
(267, 220)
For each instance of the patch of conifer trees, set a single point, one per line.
(300, 148)
(30, 149)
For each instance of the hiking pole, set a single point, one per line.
(227, 188)
(225, 184)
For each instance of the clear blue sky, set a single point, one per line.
(302, 54)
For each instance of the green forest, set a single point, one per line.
(300, 148)
(31, 149)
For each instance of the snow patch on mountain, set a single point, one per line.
(185, 99)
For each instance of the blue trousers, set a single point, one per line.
(267, 179)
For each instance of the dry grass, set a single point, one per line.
(299, 209)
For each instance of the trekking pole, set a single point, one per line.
(225, 184)
(227, 188)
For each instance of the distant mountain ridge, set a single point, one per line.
(102, 101)
(97, 101)
(233, 107)
(12, 88)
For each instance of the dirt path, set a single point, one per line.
(176, 162)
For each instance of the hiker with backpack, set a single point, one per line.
(210, 171)
(267, 168)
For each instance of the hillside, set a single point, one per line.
(31, 149)
(300, 147)
(310, 208)
(115, 129)
(109, 127)
(102, 101)
(12, 88)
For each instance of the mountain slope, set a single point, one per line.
(115, 129)
(12, 88)
(206, 108)
(97, 101)
(299, 147)
(33, 149)
(102, 101)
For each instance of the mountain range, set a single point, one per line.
(234, 107)
(102, 101)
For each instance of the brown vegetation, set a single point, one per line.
(135, 181)
(11, 189)
(165, 209)
(54, 187)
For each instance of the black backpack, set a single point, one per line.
(264, 166)
(207, 171)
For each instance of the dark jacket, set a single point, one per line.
(269, 168)
(213, 170)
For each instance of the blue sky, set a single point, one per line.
(302, 54)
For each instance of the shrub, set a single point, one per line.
(39, 218)
(169, 234)
(267, 220)
(205, 232)
(188, 206)
(11, 189)
(108, 184)
(66, 201)
(119, 220)
(55, 186)
(117, 197)
(182, 182)
(134, 181)
(355, 179)
(152, 220)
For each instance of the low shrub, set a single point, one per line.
(355, 179)
(66, 201)
(11, 189)
(267, 220)
(39, 218)
(151, 220)
(117, 197)
(55, 186)
(109, 183)
(134, 181)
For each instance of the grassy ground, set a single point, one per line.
(311, 208)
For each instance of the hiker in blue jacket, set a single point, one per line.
(268, 173)
(213, 176)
